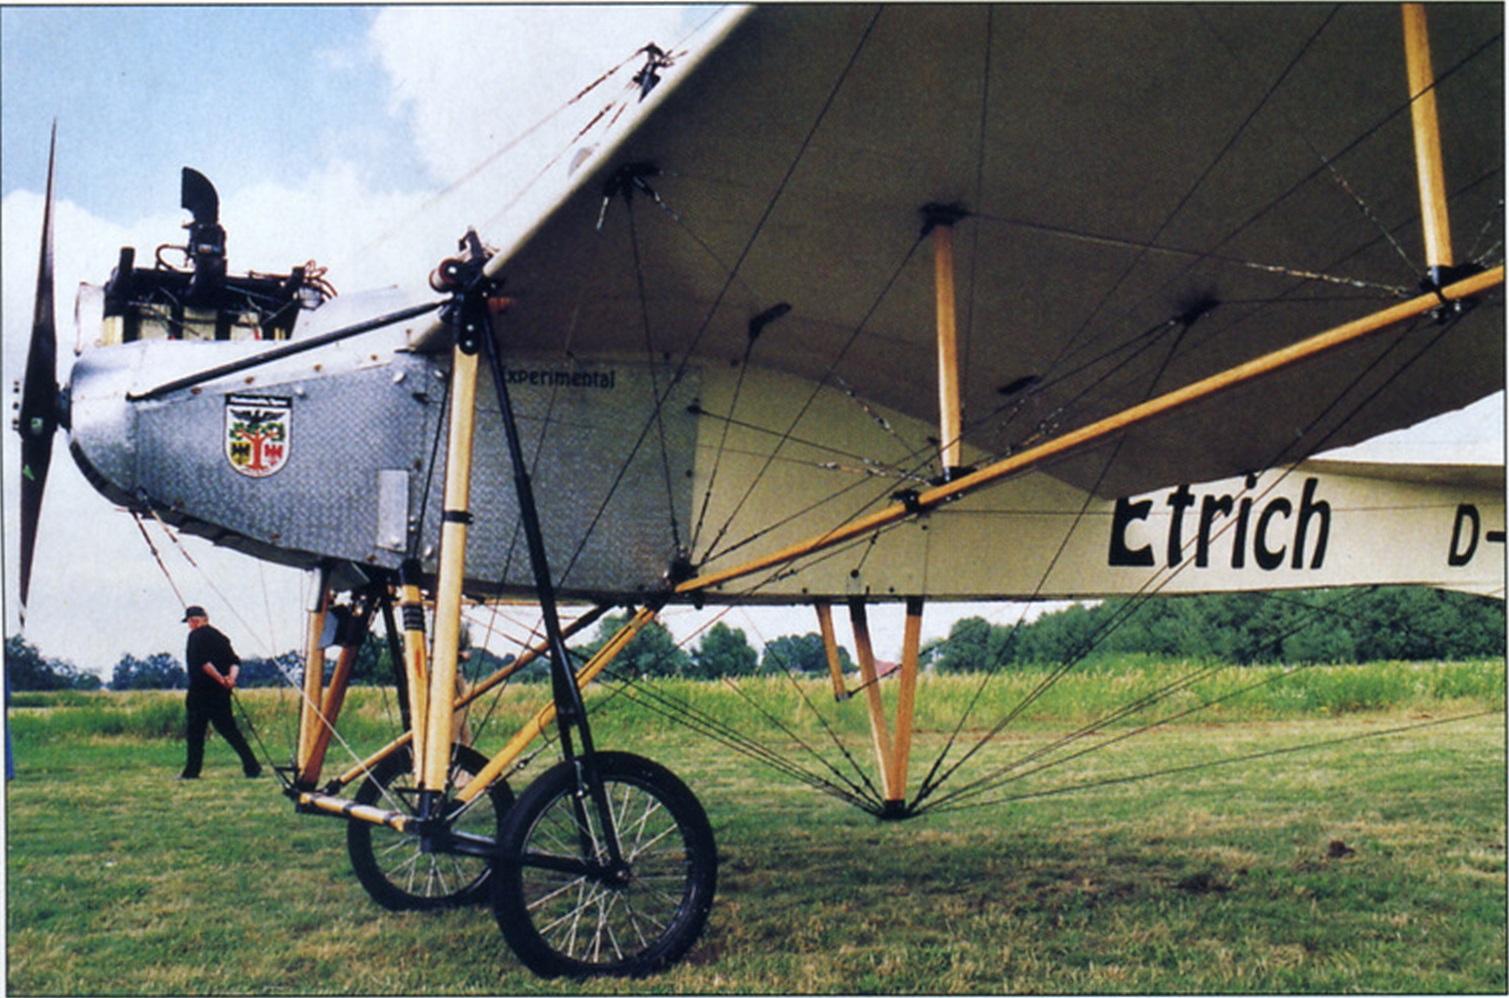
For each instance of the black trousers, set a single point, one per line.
(204, 711)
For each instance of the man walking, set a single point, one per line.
(213, 667)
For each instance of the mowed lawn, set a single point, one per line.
(1366, 864)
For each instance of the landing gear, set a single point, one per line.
(578, 895)
(399, 869)
(605, 864)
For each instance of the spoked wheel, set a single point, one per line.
(391, 864)
(565, 908)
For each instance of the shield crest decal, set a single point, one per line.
(258, 433)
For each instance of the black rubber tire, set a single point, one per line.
(576, 924)
(391, 865)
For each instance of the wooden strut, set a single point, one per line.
(330, 707)
(498, 764)
(433, 755)
(880, 731)
(416, 654)
(830, 647)
(1098, 432)
(906, 703)
(525, 658)
(950, 419)
(1429, 166)
(892, 749)
(511, 752)
(314, 678)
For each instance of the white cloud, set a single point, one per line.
(471, 79)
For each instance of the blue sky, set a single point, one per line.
(245, 94)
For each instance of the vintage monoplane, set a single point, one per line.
(828, 305)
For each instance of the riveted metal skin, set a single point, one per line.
(359, 478)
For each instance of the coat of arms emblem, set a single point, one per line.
(257, 433)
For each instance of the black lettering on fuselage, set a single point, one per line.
(1464, 547)
(1179, 500)
(561, 378)
(1267, 558)
(1309, 508)
(1272, 531)
(1210, 508)
(1126, 513)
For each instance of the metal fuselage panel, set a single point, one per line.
(609, 448)
(338, 456)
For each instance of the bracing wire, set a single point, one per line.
(1156, 585)
(1226, 761)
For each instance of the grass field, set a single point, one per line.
(1374, 865)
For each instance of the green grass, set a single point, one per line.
(1217, 880)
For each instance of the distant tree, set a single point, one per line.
(723, 651)
(482, 663)
(27, 670)
(975, 645)
(652, 652)
(800, 653)
(280, 670)
(1409, 623)
(372, 665)
(160, 671)
(1412, 624)
(1062, 636)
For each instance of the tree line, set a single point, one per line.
(1391, 623)
(1387, 623)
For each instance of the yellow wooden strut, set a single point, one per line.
(830, 649)
(433, 763)
(950, 421)
(314, 677)
(525, 658)
(330, 709)
(505, 759)
(880, 730)
(893, 747)
(906, 703)
(1429, 165)
(416, 660)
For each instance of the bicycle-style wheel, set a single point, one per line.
(393, 867)
(561, 903)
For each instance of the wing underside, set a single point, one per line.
(1139, 197)
(1148, 195)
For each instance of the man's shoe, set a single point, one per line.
(252, 774)
(187, 776)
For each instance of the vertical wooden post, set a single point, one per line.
(830, 646)
(330, 710)
(1429, 166)
(906, 703)
(880, 730)
(950, 426)
(314, 676)
(416, 661)
(455, 516)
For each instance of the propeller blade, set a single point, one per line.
(39, 391)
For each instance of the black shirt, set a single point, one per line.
(208, 645)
